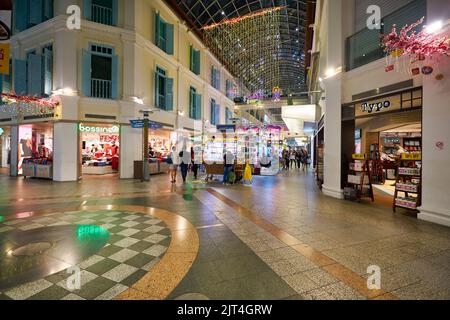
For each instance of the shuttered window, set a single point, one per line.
(215, 112)
(28, 13)
(100, 72)
(163, 90)
(195, 104)
(164, 34)
(194, 60)
(33, 76)
(101, 11)
(215, 78)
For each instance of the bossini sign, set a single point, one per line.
(96, 129)
(375, 107)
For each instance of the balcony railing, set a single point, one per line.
(101, 89)
(364, 46)
(103, 15)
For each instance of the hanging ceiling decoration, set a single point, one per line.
(260, 42)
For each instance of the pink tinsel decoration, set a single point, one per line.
(412, 43)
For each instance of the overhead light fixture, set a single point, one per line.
(138, 100)
(65, 92)
(434, 27)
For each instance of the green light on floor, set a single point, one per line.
(2, 218)
(91, 232)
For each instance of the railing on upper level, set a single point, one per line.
(101, 14)
(364, 46)
(101, 88)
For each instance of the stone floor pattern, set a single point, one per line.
(135, 244)
(280, 239)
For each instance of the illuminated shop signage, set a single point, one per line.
(375, 107)
(97, 129)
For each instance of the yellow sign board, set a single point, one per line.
(358, 156)
(412, 156)
(4, 58)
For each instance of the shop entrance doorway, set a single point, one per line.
(35, 150)
(386, 131)
(99, 145)
(5, 150)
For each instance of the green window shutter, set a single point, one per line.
(157, 29)
(197, 62)
(169, 94)
(86, 72)
(115, 12)
(157, 103)
(20, 77)
(213, 112)
(198, 107)
(191, 104)
(169, 38)
(217, 116)
(20, 9)
(115, 77)
(7, 81)
(35, 12)
(48, 9)
(34, 69)
(191, 59)
(87, 9)
(48, 71)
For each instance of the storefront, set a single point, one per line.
(100, 148)
(381, 140)
(160, 143)
(35, 150)
(319, 151)
(5, 150)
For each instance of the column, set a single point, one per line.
(332, 157)
(14, 150)
(65, 153)
(333, 93)
(130, 150)
(436, 133)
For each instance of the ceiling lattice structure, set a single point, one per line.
(261, 42)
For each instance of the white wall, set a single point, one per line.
(436, 128)
(65, 153)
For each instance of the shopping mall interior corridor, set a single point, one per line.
(281, 238)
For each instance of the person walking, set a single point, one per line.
(286, 159)
(228, 163)
(298, 158)
(194, 166)
(185, 160)
(173, 162)
(304, 159)
(292, 159)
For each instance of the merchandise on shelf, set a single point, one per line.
(409, 171)
(407, 187)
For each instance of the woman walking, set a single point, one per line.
(292, 159)
(173, 164)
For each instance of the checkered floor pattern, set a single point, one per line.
(136, 243)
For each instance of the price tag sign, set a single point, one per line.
(358, 156)
(412, 156)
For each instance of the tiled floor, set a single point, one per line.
(279, 239)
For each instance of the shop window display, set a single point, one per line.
(100, 149)
(35, 152)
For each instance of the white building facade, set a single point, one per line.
(349, 70)
(125, 57)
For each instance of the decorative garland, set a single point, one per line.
(416, 46)
(11, 102)
(239, 19)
